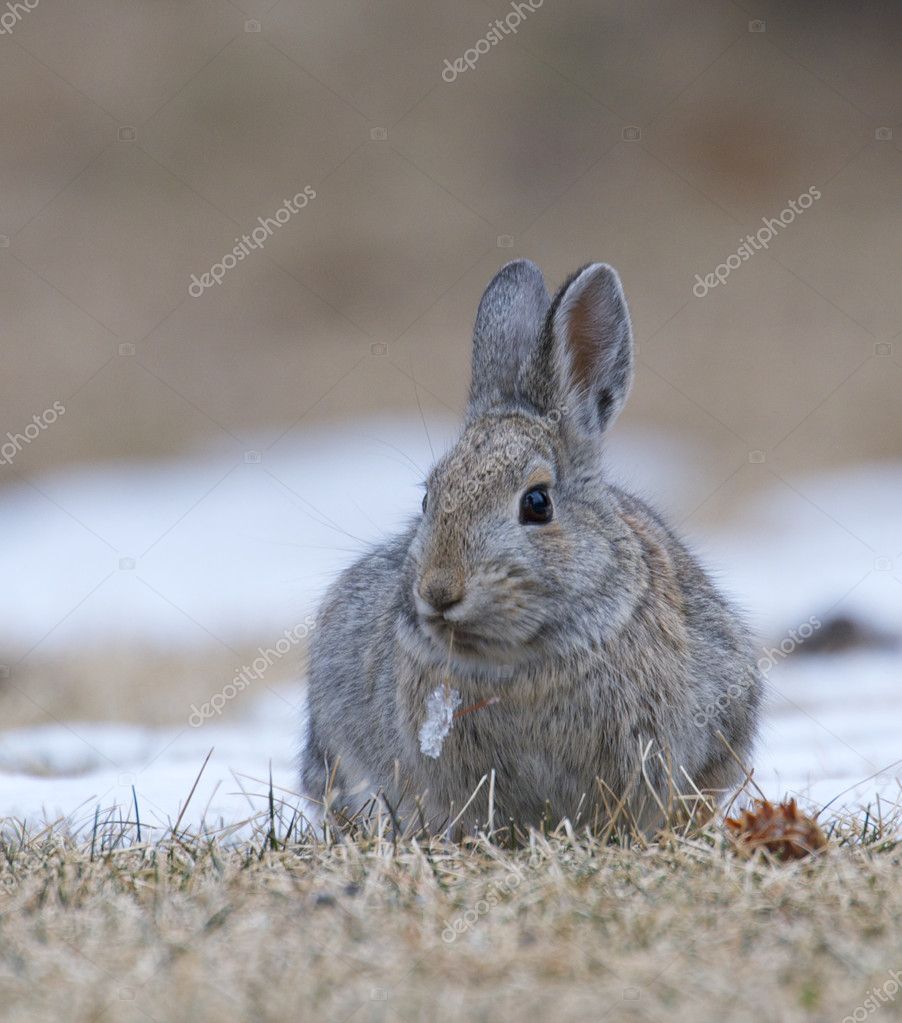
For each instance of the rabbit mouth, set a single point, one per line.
(453, 636)
(473, 630)
(448, 633)
(464, 641)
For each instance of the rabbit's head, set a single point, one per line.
(515, 550)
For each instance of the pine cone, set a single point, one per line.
(781, 829)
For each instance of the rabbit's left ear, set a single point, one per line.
(584, 361)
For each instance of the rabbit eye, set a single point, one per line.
(535, 506)
(425, 502)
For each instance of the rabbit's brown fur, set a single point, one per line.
(614, 660)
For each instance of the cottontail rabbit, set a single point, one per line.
(534, 619)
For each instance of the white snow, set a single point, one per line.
(224, 546)
(175, 552)
(440, 707)
(56, 771)
(829, 544)
(832, 722)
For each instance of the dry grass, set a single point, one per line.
(136, 684)
(352, 925)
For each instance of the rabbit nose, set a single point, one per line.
(440, 594)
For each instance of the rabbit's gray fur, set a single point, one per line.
(600, 633)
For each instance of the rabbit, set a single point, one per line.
(565, 638)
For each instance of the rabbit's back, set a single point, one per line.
(351, 724)
(719, 686)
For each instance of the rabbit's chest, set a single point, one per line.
(543, 765)
(545, 741)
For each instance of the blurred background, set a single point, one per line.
(186, 462)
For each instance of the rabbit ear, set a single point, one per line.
(585, 359)
(508, 323)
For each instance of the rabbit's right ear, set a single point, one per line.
(510, 318)
(584, 359)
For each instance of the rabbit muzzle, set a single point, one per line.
(479, 616)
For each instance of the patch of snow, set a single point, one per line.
(174, 552)
(69, 771)
(827, 545)
(832, 722)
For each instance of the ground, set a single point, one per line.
(344, 927)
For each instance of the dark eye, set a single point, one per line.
(535, 506)
(425, 502)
